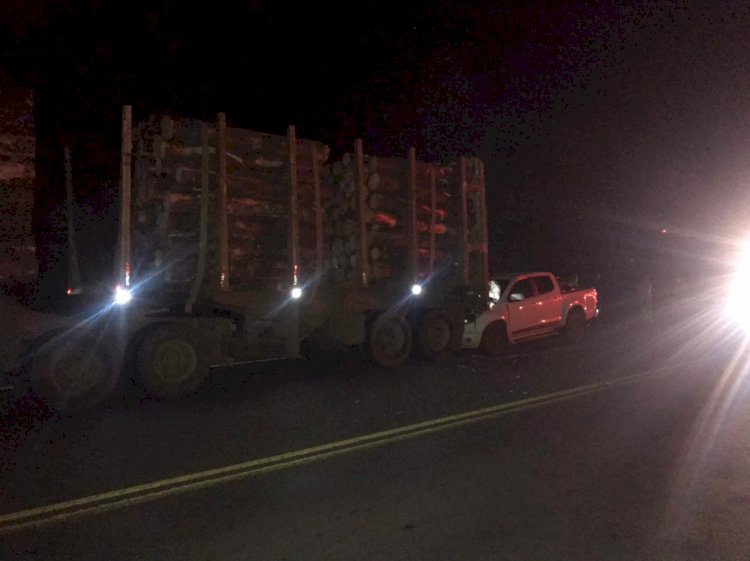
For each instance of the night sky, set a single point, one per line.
(598, 122)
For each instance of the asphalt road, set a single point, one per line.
(630, 446)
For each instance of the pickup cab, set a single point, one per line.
(526, 306)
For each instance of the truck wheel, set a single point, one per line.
(494, 339)
(171, 361)
(73, 374)
(389, 340)
(434, 334)
(575, 326)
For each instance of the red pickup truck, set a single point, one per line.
(526, 306)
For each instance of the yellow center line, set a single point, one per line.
(165, 487)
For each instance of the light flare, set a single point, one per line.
(738, 301)
(122, 295)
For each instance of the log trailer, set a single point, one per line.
(238, 246)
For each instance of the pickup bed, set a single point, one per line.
(525, 306)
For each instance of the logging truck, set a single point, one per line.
(236, 245)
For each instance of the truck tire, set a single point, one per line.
(171, 360)
(389, 340)
(434, 335)
(494, 339)
(575, 326)
(73, 373)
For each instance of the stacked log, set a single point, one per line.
(17, 250)
(438, 222)
(167, 183)
(16, 157)
(169, 180)
(18, 263)
(259, 206)
(387, 215)
(314, 244)
(381, 213)
(385, 189)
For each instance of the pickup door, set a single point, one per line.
(540, 309)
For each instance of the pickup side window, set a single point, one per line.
(543, 284)
(523, 287)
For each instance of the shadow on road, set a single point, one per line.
(612, 344)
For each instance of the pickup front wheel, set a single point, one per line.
(495, 339)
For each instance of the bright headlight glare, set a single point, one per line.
(122, 295)
(296, 292)
(738, 303)
(416, 289)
